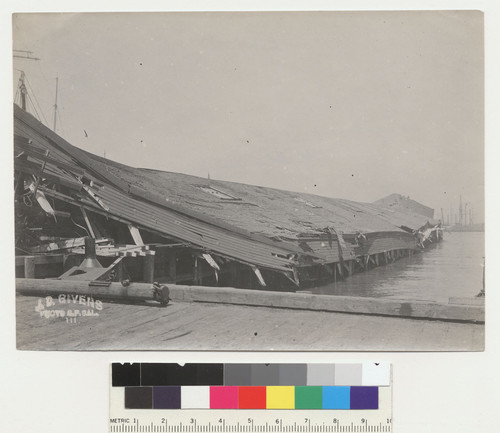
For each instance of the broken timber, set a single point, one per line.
(232, 234)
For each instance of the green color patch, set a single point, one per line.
(308, 397)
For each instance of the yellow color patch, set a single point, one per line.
(280, 397)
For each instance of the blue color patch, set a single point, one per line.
(336, 397)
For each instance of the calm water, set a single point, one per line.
(452, 268)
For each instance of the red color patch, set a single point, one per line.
(252, 397)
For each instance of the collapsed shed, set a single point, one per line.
(150, 225)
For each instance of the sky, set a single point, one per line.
(354, 105)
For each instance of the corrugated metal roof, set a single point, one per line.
(267, 233)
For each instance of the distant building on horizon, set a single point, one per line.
(402, 203)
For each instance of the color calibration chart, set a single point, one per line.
(164, 397)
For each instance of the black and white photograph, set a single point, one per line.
(271, 181)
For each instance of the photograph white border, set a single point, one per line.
(61, 391)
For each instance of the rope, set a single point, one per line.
(36, 99)
(34, 107)
(78, 225)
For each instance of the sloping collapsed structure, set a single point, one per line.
(171, 227)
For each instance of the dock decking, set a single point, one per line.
(205, 326)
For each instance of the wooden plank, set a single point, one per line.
(47, 259)
(344, 304)
(136, 234)
(259, 276)
(467, 301)
(41, 154)
(66, 244)
(74, 152)
(203, 326)
(36, 169)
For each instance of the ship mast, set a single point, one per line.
(24, 55)
(22, 90)
(55, 105)
(460, 212)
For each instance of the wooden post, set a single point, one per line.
(149, 268)
(172, 267)
(119, 271)
(196, 272)
(235, 275)
(87, 221)
(29, 267)
(339, 267)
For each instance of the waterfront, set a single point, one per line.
(452, 268)
(449, 269)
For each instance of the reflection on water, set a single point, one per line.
(453, 268)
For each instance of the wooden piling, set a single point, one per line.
(341, 272)
(172, 266)
(29, 267)
(196, 271)
(149, 268)
(119, 271)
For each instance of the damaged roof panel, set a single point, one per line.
(207, 213)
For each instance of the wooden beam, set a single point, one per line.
(343, 304)
(87, 221)
(136, 234)
(45, 259)
(36, 169)
(41, 154)
(259, 276)
(66, 244)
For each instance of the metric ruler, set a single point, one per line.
(160, 406)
